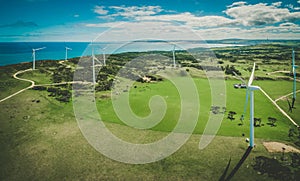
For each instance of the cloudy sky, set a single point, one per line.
(115, 20)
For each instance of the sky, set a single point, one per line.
(122, 20)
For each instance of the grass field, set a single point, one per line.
(40, 138)
(9, 85)
(235, 102)
(48, 146)
(37, 76)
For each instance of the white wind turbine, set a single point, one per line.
(67, 48)
(93, 59)
(250, 90)
(104, 58)
(174, 63)
(295, 76)
(33, 56)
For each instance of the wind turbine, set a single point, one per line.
(33, 56)
(294, 74)
(104, 58)
(250, 90)
(67, 48)
(174, 64)
(93, 59)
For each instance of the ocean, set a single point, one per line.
(17, 52)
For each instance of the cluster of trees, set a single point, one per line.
(257, 122)
(272, 121)
(217, 109)
(294, 135)
(104, 85)
(231, 115)
(230, 69)
(62, 95)
(61, 74)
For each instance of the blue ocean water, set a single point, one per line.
(17, 52)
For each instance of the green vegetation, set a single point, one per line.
(40, 139)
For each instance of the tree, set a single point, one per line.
(230, 69)
(257, 122)
(231, 115)
(272, 121)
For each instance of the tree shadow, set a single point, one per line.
(236, 168)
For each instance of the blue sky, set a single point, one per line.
(85, 20)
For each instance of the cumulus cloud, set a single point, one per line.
(277, 4)
(129, 12)
(191, 20)
(236, 4)
(100, 10)
(292, 7)
(261, 14)
(135, 11)
(240, 20)
(288, 25)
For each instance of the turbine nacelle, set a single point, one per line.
(252, 88)
(66, 56)
(37, 49)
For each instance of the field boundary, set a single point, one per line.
(278, 107)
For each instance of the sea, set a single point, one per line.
(18, 52)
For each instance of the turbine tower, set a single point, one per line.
(250, 90)
(67, 48)
(104, 58)
(93, 60)
(174, 63)
(33, 56)
(294, 74)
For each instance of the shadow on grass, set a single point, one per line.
(236, 168)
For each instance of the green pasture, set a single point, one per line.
(40, 138)
(37, 76)
(140, 96)
(10, 85)
(41, 141)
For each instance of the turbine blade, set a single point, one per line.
(252, 76)
(95, 58)
(245, 105)
(293, 58)
(39, 49)
(236, 75)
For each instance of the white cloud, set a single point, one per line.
(135, 11)
(298, 1)
(126, 31)
(236, 4)
(288, 25)
(261, 14)
(241, 20)
(100, 10)
(290, 6)
(277, 4)
(76, 15)
(191, 20)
